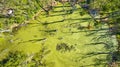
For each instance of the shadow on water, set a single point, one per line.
(66, 12)
(103, 39)
(61, 6)
(48, 31)
(58, 15)
(65, 47)
(33, 40)
(59, 21)
(98, 61)
(86, 19)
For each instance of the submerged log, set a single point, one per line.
(16, 26)
(5, 31)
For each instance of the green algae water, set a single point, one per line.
(66, 39)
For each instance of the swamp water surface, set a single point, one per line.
(63, 36)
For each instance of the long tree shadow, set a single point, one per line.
(59, 14)
(33, 40)
(102, 39)
(98, 61)
(61, 6)
(66, 12)
(59, 21)
(107, 44)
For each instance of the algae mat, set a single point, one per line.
(66, 36)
